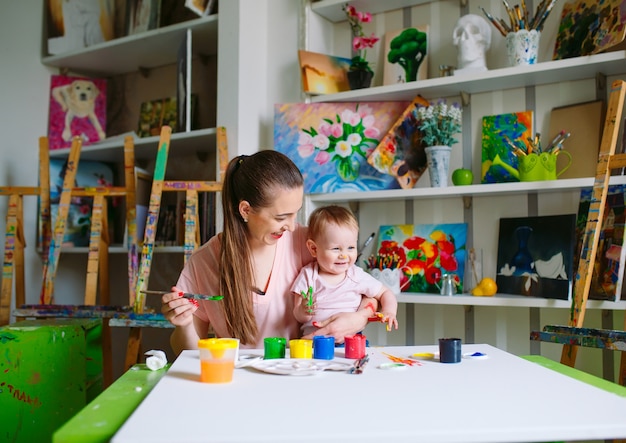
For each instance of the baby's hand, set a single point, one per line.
(308, 301)
(390, 319)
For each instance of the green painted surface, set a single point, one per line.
(101, 418)
(578, 374)
(43, 375)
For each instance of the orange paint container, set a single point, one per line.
(217, 359)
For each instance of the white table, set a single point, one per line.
(502, 398)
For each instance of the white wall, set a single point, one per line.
(24, 90)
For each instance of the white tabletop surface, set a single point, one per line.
(501, 398)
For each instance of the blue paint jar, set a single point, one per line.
(323, 347)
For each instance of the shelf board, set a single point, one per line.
(554, 71)
(503, 300)
(331, 9)
(181, 144)
(540, 187)
(150, 49)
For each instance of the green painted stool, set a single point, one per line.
(49, 370)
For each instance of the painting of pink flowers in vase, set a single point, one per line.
(330, 143)
(426, 253)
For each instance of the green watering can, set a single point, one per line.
(535, 167)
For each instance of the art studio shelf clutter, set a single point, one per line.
(376, 198)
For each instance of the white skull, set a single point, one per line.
(472, 35)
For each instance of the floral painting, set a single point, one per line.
(535, 256)
(499, 162)
(330, 143)
(425, 253)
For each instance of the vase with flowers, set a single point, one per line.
(345, 139)
(438, 123)
(360, 73)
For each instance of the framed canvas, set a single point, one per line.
(499, 163)
(425, 253)
(142, 15)
(77, 108)
(590, 27)
(202, 7)
(323, 74)
(535, 256)
(156, 113)
(330, 143)
(406, 67)
(400, 152)
(76, 24)
(606, 281)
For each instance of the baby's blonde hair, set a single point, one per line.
(320, 218)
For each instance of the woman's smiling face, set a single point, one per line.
(267, 225)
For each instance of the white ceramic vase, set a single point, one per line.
(438, 161)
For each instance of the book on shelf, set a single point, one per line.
(183, 84)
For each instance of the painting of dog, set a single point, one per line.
(77, 108)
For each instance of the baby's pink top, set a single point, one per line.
(329, 300)
(274, 310)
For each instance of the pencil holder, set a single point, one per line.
(522, 47)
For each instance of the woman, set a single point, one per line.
(252, 262)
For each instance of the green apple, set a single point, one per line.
(462, 176)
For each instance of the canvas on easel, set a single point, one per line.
(609, 265)
(535, 256)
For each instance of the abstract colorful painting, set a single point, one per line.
(606, 282)
(425, 253)
(323, 74)
(77, 108)
(590, 27)
(400, 152)
(330, 143)
(535, 256)
(499, 162)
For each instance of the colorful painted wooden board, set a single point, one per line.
(50, 267)
(425, 253)
(590, 27)
(591, 238)
(588, 337)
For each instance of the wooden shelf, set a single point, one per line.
(502, 300)
(150, 49)
(182, 143)
(554, 71)
(486, 190)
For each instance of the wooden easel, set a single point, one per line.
(574, 335)
(160, 185)
(14, 240)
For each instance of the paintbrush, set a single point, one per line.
(186, 295)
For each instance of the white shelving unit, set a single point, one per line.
(506, 85)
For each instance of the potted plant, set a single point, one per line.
(438, 123)
(360, 73)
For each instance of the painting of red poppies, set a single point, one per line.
(425, 253)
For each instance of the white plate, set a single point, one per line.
(299, 366)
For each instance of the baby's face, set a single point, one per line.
(337, 249)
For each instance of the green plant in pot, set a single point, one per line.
(360, 73)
